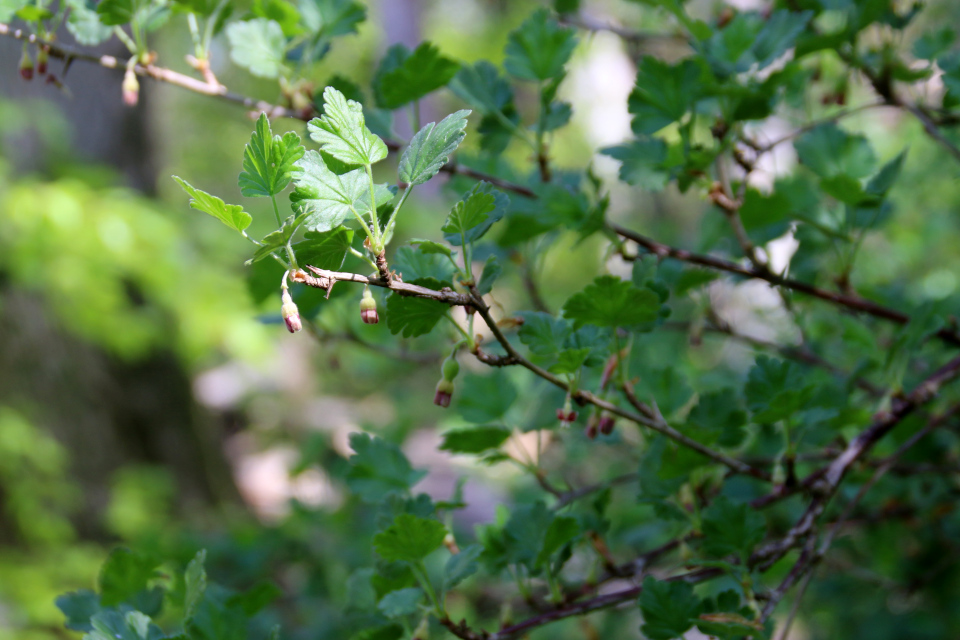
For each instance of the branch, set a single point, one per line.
(590, 23)
(854, 303)
(326, 279)
(834, 473)
(585, 397)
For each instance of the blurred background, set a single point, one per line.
(150, 396)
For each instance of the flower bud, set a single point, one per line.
(450, 368)
(290, 313)
(566, 417)
(451, 544)
(368, 308)
(606, 425)
(42, 57)
(26, 66)
(444, 393)
(591, 430)
(131, 89)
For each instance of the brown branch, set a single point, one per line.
(834, 473)
(854, 303)
(326, 279)
(585, 397)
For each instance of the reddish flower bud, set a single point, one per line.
(444, 393)
(566, 417)
(26, 66)
(368, 308)
(290, 313)
(591, 430)
(131, 89)
(606, 425)
(42, 58)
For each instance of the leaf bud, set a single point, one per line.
(290, 313)
(131, 89)
(26, 66)
(368, 308)
(443, 394)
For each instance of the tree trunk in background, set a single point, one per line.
(107, 413)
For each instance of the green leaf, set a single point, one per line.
(281, 12)
(415, 316)
(79, 607)
(429, 247)
(331, 18)
(431, 148)
(570, 360)
(474, 440)
(341, 131)
(231, 215)
(663, 93)
(543, 334)
(775, 390)
(409, 539)
(884, 179)
(482, 87)
(657, 480)
(539, 49)
(405, 77)
(641, 162)
(491, 271)
(830, 151)
(934, 43)
(473, 216)
(324, 250)
(612, 302)
(269, 161)
(277, 240)
(116, 12)
(258, 46)
(215, 618)
(424, 262)
(668, 388)
(556, 115)
(401, 603)
(379, 468)
(195, 579)
(255, 598)
(482, 399)
(327, 199)
(461, 566)
(561, 531)
(83, 23)
(123, 575)
(525, 531)
(717, 417)
(9, 8)
(669, 608)
(730, 528)
(114, 625)
(751, 41)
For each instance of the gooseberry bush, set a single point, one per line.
(671, 481)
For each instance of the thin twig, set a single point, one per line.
(854, 303)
